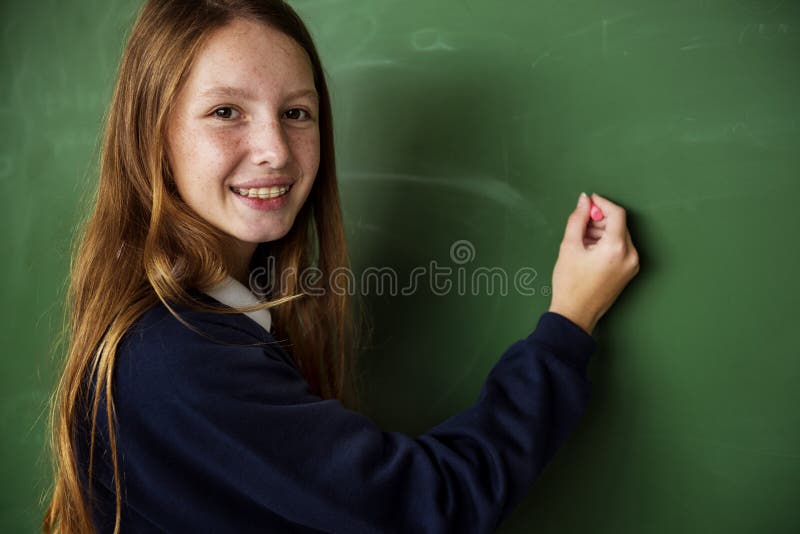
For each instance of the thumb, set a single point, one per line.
(576, 224)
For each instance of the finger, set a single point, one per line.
(597, 224)
(576, 224)
(594, 234)
(631, 247)
(615, 216)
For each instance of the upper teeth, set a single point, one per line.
(262, 192)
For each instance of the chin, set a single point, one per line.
(263, 237)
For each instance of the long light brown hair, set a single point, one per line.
(141, 244)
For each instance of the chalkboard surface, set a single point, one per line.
(465, 132)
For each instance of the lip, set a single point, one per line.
(265, 204)
(264, 182)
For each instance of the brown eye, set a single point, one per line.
(296, 114)
(224, 112)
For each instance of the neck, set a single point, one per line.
(239, 254)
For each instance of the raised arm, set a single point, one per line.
(230, 439)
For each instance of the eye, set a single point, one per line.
(293, 114)
(226, 111)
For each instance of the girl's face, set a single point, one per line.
(246, 118)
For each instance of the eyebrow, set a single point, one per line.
(226, 90)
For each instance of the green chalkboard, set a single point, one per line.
(465, 131)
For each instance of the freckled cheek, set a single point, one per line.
(213, 156)
(306, 151)
(223, 146)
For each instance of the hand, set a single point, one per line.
(596, 261)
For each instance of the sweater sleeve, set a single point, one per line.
(218, 438)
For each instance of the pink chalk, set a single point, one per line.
(596, 213)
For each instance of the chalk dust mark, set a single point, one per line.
(428, 39)
(368, 64)
(698, 45)
(540, 58)
(366, 39)
(777, 6)
(743, 33)
(765, 32)
(483, 186)
(604, 21)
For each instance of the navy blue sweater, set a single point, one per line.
(220, 438)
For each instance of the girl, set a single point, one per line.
(188, 404)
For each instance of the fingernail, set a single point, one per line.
(580, 198)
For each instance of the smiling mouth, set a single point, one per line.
(262, 192)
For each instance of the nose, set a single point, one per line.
(268, 144)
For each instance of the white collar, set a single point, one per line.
(233, 293)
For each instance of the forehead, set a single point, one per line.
(249, 54)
